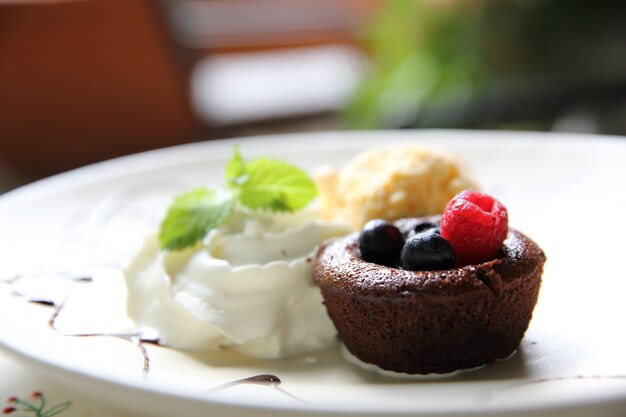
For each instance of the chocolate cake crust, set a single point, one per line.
(421, 322)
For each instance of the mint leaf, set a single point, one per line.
(192, 215)
(235, 169)
(275, 185)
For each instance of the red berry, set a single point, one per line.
(8, 410)
(475, 224)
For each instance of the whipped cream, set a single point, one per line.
(248, 286)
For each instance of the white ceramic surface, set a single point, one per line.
(567, 192)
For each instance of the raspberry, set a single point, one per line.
(475, 224)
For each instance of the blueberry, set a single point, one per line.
(380, 242)
(427, 251)
(427, 226)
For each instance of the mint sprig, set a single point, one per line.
(262, 184)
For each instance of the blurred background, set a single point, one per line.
(86, 80)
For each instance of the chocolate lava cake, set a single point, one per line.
(423, 322)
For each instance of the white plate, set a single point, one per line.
(567, 192)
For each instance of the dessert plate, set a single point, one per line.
(65, 239)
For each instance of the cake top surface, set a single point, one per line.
(519, 257)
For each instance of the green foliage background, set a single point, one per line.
(424, 52)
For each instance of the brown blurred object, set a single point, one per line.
(84, 81)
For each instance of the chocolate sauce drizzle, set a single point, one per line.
(137, 338)
(263, 379)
